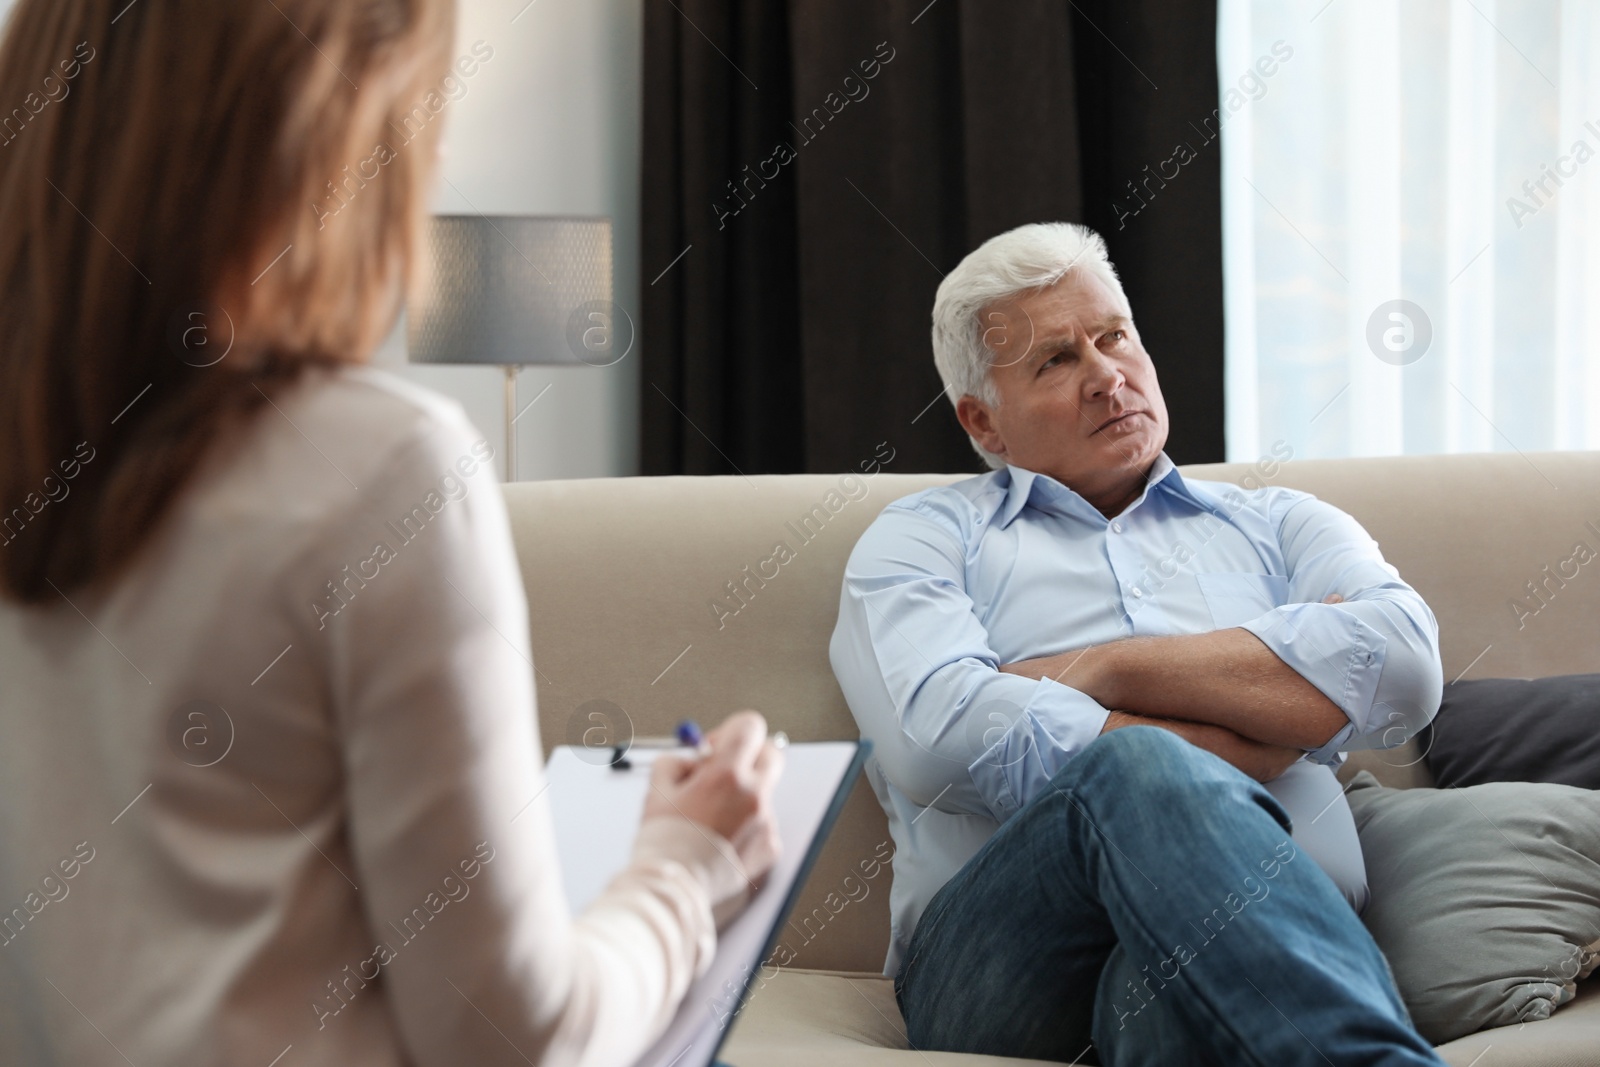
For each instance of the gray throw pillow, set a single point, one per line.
(1516, 730)
(1485, 899)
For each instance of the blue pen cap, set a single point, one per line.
(689, 733)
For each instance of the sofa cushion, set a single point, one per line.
(1485, 900)
(1517, 730)
(1569, 1038)
(798, 1018)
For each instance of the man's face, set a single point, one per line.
(1079, 399)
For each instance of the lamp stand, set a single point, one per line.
(511, 421)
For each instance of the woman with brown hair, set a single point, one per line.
(269, 769)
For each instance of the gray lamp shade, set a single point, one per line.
(516, 289)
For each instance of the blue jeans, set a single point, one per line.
(1150, 909)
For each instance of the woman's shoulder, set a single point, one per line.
(375, 411)
(363, 419)
(340, 441)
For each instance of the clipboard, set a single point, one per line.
(596, 814)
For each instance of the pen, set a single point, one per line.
(687, 735)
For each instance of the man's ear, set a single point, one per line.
(978, 420)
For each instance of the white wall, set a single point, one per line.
(550, 125)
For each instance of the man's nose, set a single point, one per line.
(1102, 376)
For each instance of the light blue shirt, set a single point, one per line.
(950, 583)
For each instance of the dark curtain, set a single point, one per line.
(812, 168)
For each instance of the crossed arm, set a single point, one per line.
(1224, 691)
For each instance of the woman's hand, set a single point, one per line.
(729, 791)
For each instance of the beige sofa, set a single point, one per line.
(623, 578)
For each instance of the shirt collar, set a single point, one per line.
(1042, 490)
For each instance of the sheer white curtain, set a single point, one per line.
(1444, 153)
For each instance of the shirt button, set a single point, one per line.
(1116, 527)
(1137, 592)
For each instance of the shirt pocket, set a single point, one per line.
(1236, 598)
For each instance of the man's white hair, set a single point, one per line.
(1008, 265)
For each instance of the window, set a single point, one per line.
(1411, 220)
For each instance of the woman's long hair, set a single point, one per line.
(198, 200)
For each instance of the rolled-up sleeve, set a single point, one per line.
(949, 729)
(1375, 654)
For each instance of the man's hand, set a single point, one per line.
(1260, 761)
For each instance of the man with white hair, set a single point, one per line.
(1106, 702)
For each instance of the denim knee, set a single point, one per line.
(1144, 759)
(1132, 750)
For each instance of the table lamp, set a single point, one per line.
(515, 290)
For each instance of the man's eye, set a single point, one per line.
(1051, 362)
(1117, 336)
